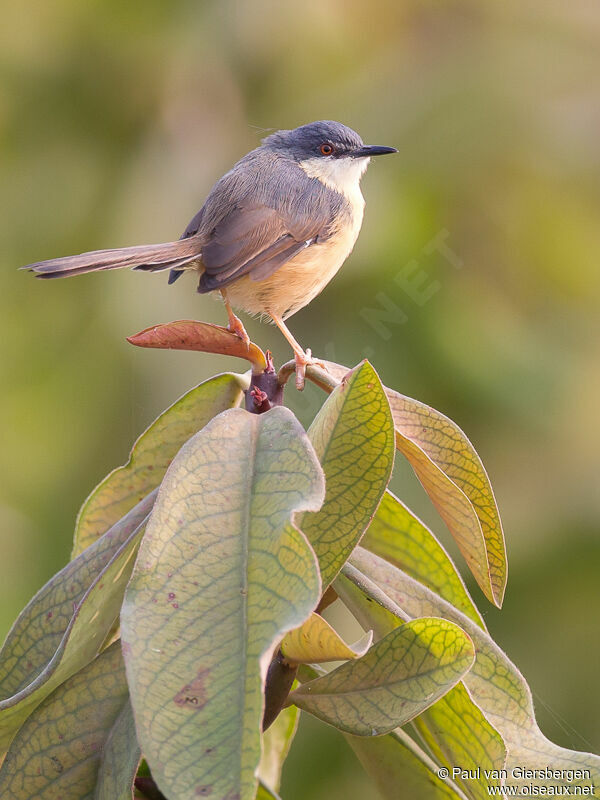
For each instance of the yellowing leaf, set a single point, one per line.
(458, 734)
(397, 772)
(397, 535)
(399, 677)
(221, 576)
(58, 751)
(316, 641)
(151, 455)
(494, 684)
(353, 436)
(84, 634)
(453, 476)
(264, 793)
(451, 472)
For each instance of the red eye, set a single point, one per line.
(326, 149)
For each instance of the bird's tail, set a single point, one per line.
(170, 255)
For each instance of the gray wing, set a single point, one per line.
(256, 240)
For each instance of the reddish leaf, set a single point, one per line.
(187, 334)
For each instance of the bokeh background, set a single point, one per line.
(481, 239)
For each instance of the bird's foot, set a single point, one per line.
(236, 326)
(304, 360)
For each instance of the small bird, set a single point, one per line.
(273, 231)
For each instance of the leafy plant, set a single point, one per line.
(172, 656)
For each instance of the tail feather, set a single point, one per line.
(147, 257)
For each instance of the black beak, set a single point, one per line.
(368, 150)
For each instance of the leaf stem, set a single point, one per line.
(315, 374)
(321, 378)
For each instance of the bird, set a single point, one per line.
(272, 233)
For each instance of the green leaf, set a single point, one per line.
(222, 574)
(494, 683)
(315, 641)
(120, 757)
(40, 627)
(453, 476)
(58, 752)
(151, 455)
(400, 770)
(353, 436)
(457, 733)
(397, 535)
(276, 744)
(85, 633)
(399, 677)
(264, 793)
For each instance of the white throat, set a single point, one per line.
(340, 174)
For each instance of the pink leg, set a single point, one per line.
(303, 358)
(235, 323)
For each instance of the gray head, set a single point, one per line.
(325, 139)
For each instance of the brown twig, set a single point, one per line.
(280, 677)
(148, 788)
(265, 390)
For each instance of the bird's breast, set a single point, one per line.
(302, 278)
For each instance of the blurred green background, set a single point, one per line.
(115, 120)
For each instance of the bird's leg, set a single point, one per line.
(303, 358)
(235, 323)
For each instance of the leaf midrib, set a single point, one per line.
(253, 448)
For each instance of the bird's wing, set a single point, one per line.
(256, 240)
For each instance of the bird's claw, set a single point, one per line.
(236, 326)
(303, 360)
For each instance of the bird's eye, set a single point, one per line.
(326, 149)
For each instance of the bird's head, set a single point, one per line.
(327, 150)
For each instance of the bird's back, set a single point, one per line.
(265, 178)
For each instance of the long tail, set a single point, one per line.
(170, 255)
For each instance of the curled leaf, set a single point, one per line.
(188, 334)
(315, 641)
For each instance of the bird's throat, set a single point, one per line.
(340, 174)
